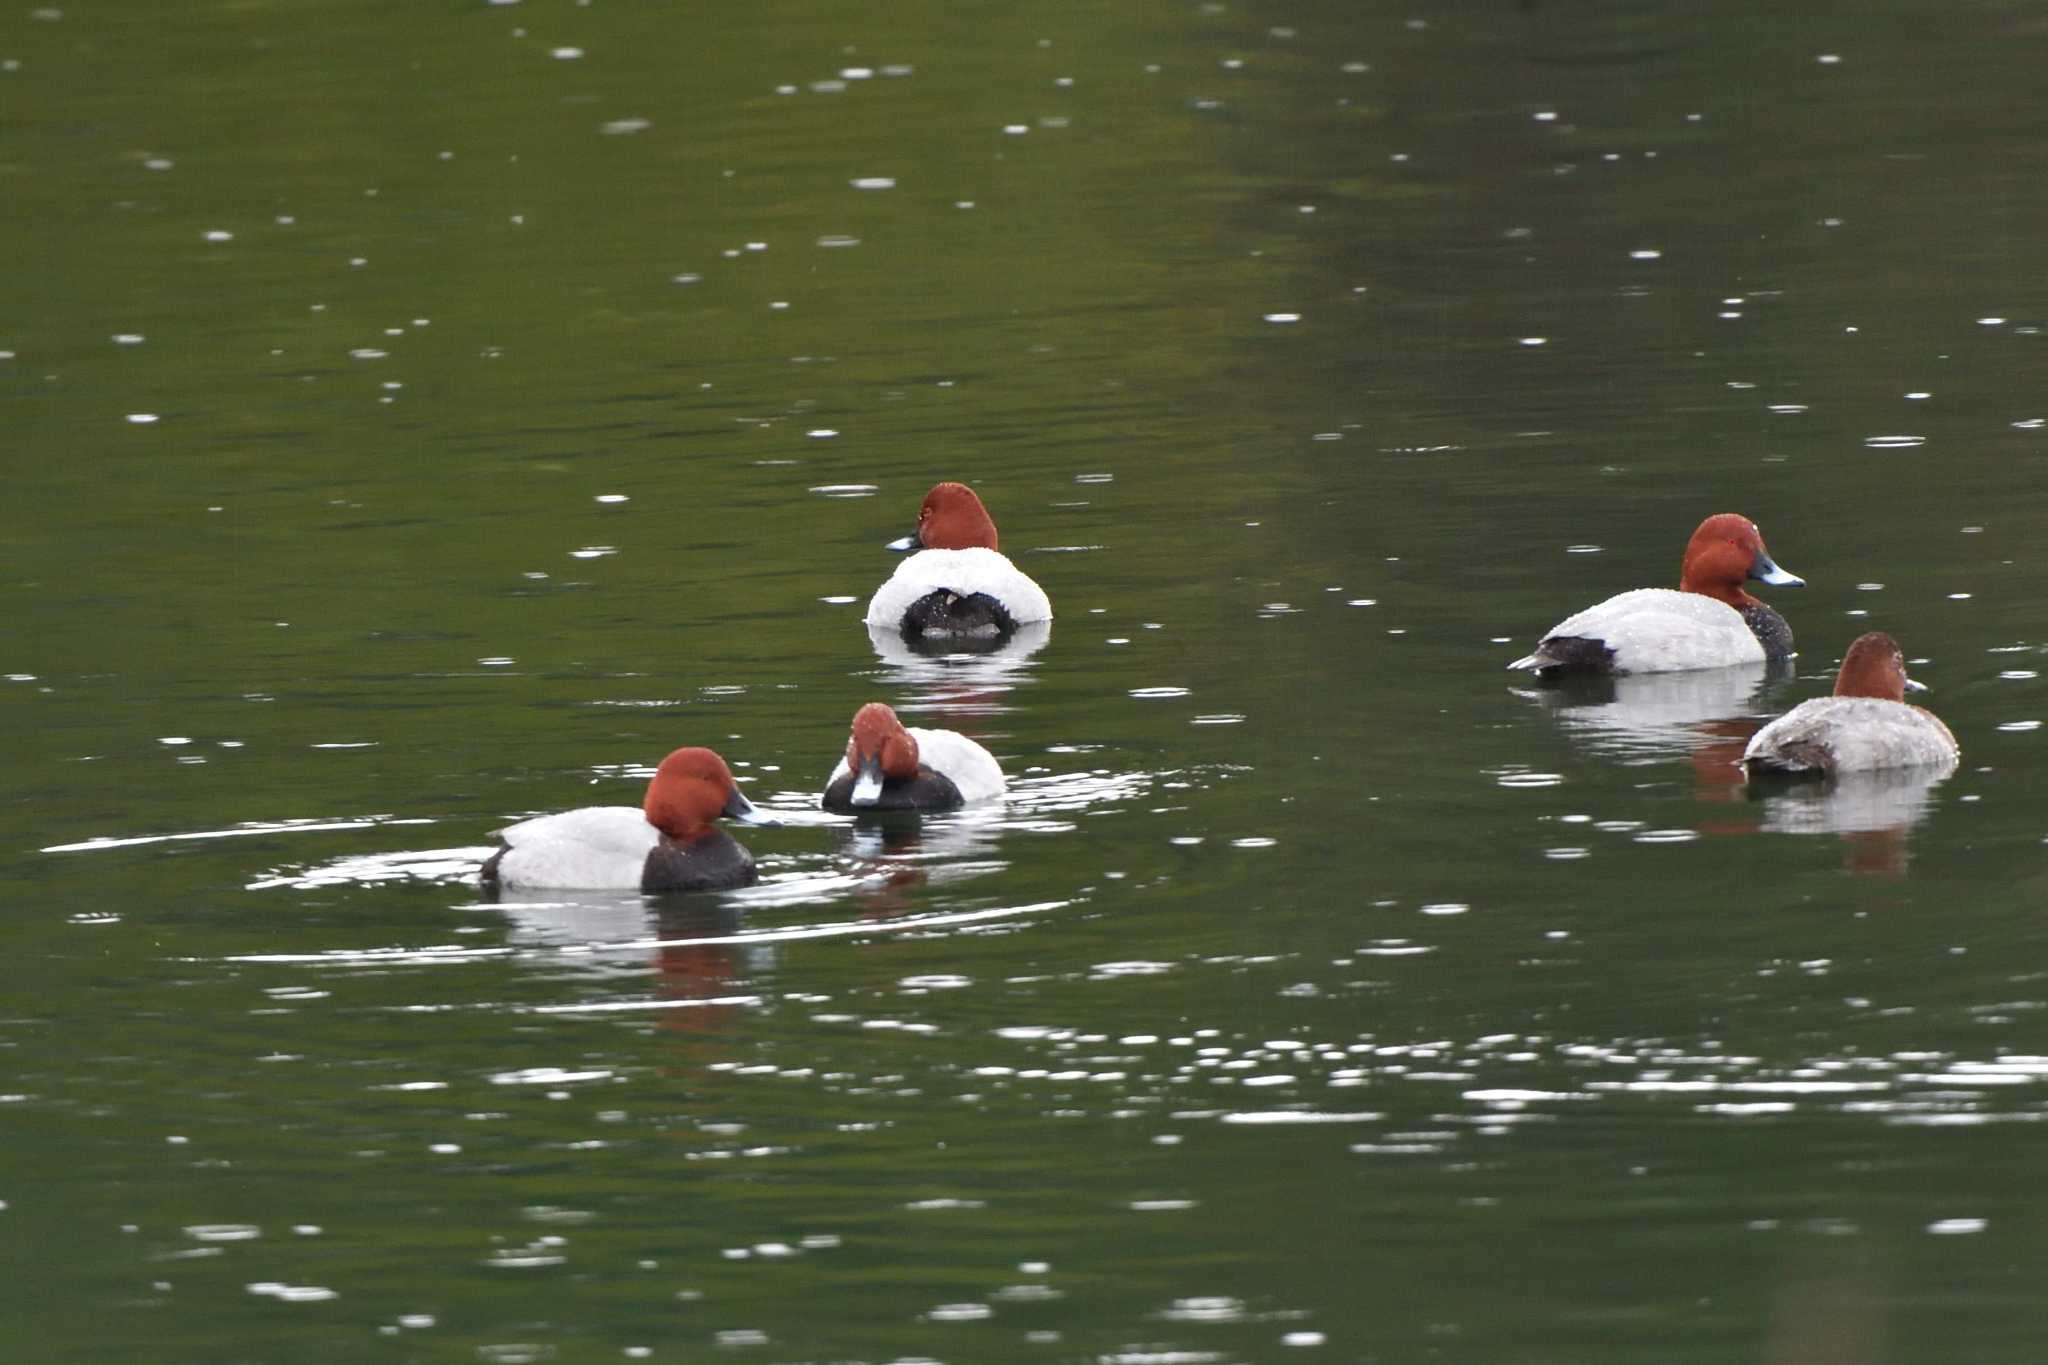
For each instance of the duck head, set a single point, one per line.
(1726, 551)
(952, 518)
(879, 750)
(1875, 667)
(691, 788)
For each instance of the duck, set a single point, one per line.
(889, 766)
(1866, 724)
(956, 585)
(667, 843)
(1708, 621)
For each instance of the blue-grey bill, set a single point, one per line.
(1763, 570)
(904, 544)
(737, 807)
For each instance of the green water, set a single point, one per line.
(421, 415)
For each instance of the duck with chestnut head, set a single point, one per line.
(889, 766)
(956, 586)
(1866, 724)
(1710, 620)
(666, 843)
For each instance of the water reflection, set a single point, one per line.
(1650, 716)
(588, 921)
(956, 681)
(1873, 811)
(700, 971)
(371, 869)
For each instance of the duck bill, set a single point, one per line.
(737, 807)
(903, 545)
(867, 788)
(1915, 685)
(1765, 570)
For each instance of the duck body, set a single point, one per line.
(1657, 630)
(889, 766)
(956, 585)
(667, 843)
(1708, 621)
(973, 593)
(1867, 724)
(613, 848)
(1851, 734)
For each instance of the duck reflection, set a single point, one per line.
(894, 851)
(974, 678)
(577, 920)
(1648, 716)
(1872, 811)
(697, 968)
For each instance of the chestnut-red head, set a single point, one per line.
(691, 788)
(952, 518)
(879, 750)
(1874, 667)
(1726, 550)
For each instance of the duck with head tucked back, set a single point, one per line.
(667, 843)
(1708, 621)
(956, 585)
(890, 766)
(1866, 724)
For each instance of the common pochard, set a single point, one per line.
(1866, 724)
(667, 843)
(1708, 621)
(956, 585)
(888, 766)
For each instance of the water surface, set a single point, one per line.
(423, 419)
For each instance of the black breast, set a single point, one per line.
(927, 791)
(713, 861)
(1561, 654)
(944, 614)
(1770, 630)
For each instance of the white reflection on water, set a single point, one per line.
(962, 683)
(1854, 803)
(1873, 812)
(247, 827)
(434, 955)
(370, 869)
(1658, 715)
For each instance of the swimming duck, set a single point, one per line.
(667, 844)
(1866, 724)
(955, 585)
(890, 767)
(1708, 621)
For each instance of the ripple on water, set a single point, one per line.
(1523, 778)
(960, 1312)
(292, 1293)
(223, 1232)
(939, 981)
